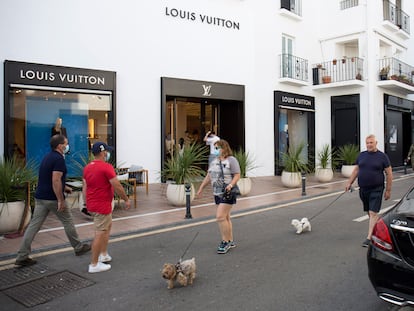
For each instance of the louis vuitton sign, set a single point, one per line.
(202, 18)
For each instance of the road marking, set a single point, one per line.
(382, 211)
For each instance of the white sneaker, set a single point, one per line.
(104, 258)
(100, 267)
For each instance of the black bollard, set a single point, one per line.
(405, 167)
(187, 201)
(303, 183)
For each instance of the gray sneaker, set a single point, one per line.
(232, 244)
(223, 247)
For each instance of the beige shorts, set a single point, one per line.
(102, 222)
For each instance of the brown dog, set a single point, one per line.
(184, 272)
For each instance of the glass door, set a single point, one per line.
(287, 57)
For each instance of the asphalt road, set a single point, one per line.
(272, 268)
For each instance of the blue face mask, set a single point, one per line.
(108, 155)
(216, 152)
(66, 150)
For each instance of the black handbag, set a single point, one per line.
(235, 190)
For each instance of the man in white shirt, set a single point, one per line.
(211, 138)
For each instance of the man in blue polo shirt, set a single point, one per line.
(370, 167)
(50, 197)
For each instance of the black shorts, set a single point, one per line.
(220, 199)
(371, 198)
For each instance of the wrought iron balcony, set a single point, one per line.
(293, 67)
(338, 70)
(396, 16)
(346, 4)
(393, 69)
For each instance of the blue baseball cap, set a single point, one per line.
(99, 146)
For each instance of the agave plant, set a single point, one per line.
(186, 167)
(348, 154)
(14, 177)
(293, 160)
(327, 158)
(246, 162)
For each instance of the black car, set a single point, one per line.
(391, 253)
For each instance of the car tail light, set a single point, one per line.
(381, 236)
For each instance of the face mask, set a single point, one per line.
(216, 152)
(108, 155)
(66, 150)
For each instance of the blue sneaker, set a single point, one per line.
(223, 247)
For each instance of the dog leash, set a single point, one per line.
(188, 247)
(321, 211)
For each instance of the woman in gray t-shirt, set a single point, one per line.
(224, 169)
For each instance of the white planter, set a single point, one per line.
(324, 174)
(347, 170)
(176, 194)
(291, 180)
(245, 185)
(11, 216)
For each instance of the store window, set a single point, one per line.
(35, 115)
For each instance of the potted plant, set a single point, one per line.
(16, 181)
(384, 72)
(294, 164)
(326, 159)
(184, 168)
(348, 155)
(326, 79)
(246, 163)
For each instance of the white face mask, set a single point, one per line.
(107, 157)
(66, 150)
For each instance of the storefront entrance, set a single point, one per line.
(191, 108)
(294, 125)
(398, 128)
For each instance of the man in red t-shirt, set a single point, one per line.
(99, 184)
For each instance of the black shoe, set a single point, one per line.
(25, 262)
(84, 249)
(366, 243)
(85, 211)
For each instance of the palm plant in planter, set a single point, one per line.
(16, 180)
(294, 164)
(348, 155)
(247, 164)
(326, 163)
(184, 168)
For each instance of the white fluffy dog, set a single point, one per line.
(301, 225)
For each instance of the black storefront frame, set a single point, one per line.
(51, 77)
(286, 100)
(197, 89)
(396, 105)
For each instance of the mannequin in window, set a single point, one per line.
(58, 128)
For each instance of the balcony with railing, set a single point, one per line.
(291, 8)
(347, 71)
(347, 4)
(397, 18)
(396, 75)
(293, 70)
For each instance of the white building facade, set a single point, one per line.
(263, 75)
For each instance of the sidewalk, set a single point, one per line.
(153, 211)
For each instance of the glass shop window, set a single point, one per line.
(35, 115)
